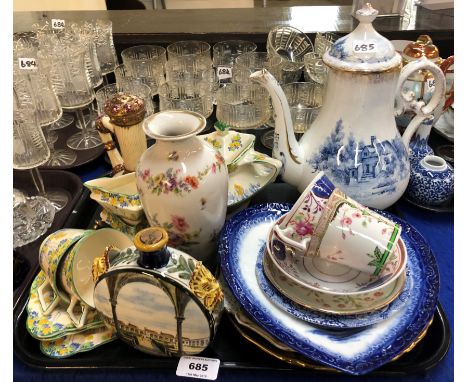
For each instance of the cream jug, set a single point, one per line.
(354, 139)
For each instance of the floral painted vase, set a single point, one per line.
(183, 182)
(431, 182)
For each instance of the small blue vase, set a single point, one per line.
(419, 147)
(431, 181)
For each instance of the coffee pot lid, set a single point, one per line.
(363, 50)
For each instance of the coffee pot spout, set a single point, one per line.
(285, 147)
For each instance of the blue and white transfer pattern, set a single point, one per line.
(355, 352)
(361, 168)
(419, 148)
(430, 187)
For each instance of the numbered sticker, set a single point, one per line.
(27, 63)
(364, 46)
(198, 367)
(430, 85)
(224, 72)
(58, 24)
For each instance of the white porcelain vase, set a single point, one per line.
(183, 183)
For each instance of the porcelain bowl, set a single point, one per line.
(325, 277)
(118, 195)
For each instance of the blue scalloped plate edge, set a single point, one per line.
(421, 316)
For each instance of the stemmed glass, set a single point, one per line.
(73, 89)
(33, 215)
(46, 37)
(86, 32)
(33, 89)
(105, 49)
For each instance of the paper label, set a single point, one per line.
(364, 46)
(198, 367)
(58, 24)
(430, 85)
(27, 63)
(224, 72)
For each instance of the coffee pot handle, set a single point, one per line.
(406, 100)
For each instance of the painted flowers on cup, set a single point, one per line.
(306, 217)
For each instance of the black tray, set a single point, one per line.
(234, 351)
(25, 258)
(229, 346)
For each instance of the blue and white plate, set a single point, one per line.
(352, 351)
(333, 321)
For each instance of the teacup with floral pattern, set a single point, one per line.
(326, 223)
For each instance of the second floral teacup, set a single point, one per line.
(324, 222)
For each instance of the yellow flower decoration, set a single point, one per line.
(239, 189)
(216, 144)
(43, 321)
(205, 286)
(59, 235)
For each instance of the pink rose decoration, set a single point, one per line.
(145, 174)
(346, 221)
(179, 223)
(357, 215)
(303, 228)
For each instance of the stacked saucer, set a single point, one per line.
(60, 311)
(324, 286)
(331, 254)
(354, 304)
